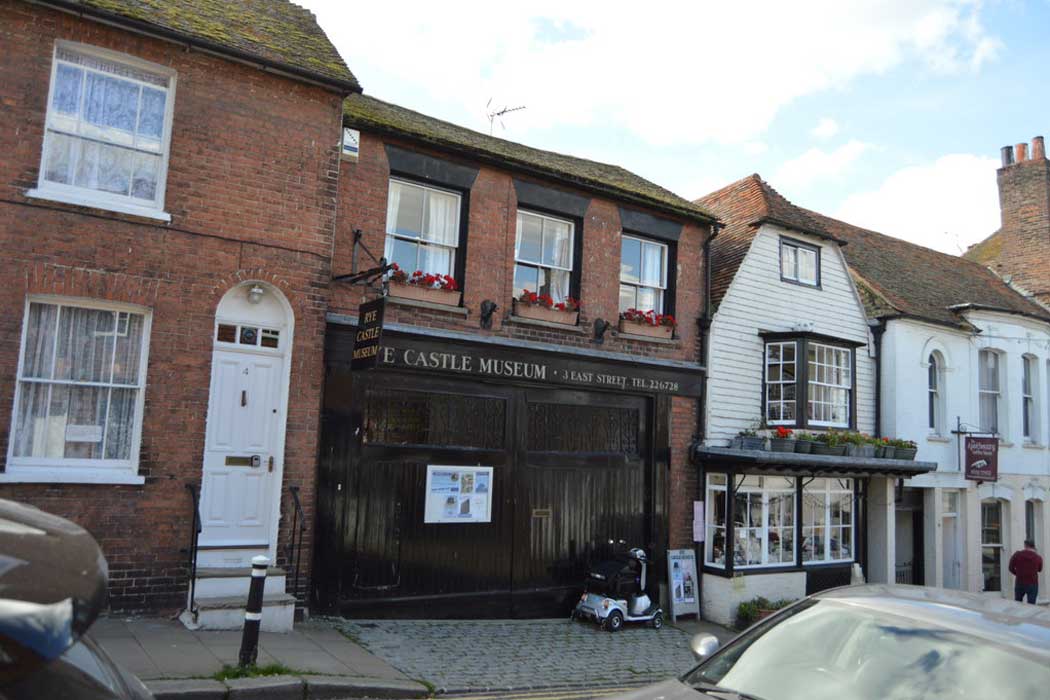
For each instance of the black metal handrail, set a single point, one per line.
(194, 540)
(295, 546)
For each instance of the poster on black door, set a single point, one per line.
(458, 494)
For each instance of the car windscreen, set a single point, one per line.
(831, 650)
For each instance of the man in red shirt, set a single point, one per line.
(1025, 564)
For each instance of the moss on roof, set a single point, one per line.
(276, 31)
(368, 113)
(986, 252)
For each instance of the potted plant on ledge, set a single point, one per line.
(647, 323)
(859, 445)
(541, 307)
(424, 286)
(804, 442)
(830, 443)
(781, 440)
(904, 449)
(749, 439)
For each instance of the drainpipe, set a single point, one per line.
(705, 334)
(877, 329)
(701, 424)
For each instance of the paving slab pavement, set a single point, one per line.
(155, 649)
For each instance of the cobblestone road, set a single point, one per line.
(472, 655)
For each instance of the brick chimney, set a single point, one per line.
(1024, 206)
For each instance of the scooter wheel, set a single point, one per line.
(658, 620)
(614, 622)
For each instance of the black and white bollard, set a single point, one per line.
(253, 613)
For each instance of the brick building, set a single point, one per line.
(1018, 251)
(167, 216)
(576, 423)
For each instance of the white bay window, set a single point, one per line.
(829, 384)
(107, 131)
(763, 512)
(79, 394)
(827, 520)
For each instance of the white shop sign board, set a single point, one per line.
(683, 582)
(458, 494)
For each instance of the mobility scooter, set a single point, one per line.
(615, 594)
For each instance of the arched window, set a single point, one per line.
(934, 393)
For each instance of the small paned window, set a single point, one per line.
(829, 384)
(422, 228)
(78, 402)
(543, 254)
(799, 263)
(781, 383)
(107, 130)
(252, 336)
(827, 520)
(643, 274)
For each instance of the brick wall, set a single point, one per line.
(489, 275)
(251, 190)
(1024, 204)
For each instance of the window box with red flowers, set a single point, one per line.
(647, 323)
(424, 286)
(541, 307)
(782, 440)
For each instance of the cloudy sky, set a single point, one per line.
(886, 114)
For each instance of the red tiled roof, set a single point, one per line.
(894, 277)
(743, 206)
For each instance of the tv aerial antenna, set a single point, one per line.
(497, 114)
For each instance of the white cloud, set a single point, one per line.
(674, 73)
(816, 164)
(948, 204)
(825, 129)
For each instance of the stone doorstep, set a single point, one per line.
(281, 687)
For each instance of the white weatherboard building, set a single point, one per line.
(789, 345)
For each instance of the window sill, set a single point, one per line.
(1033, 446)
(521, 320)
(937, 438)
(405, 301)
(90, 202)
(646, 339)
(68, 475)
(1004, 443)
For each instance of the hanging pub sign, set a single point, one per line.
(368, 335)
(982, 458)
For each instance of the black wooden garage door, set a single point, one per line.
(571, 482)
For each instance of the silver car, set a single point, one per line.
(877, 642)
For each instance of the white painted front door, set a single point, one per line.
(240, 460)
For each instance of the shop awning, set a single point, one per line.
(797, 464)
